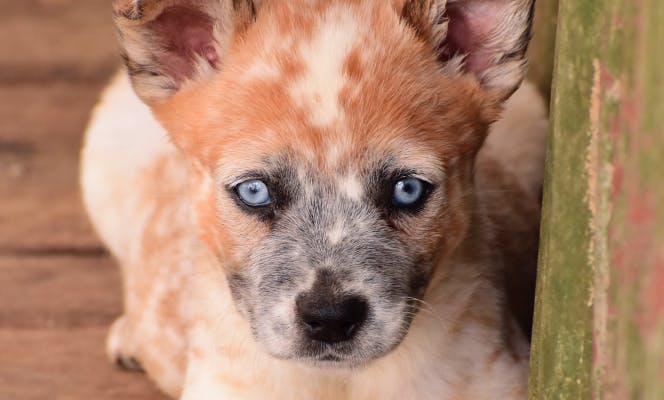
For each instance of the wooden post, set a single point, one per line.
(599, 319)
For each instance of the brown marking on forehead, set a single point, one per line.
(289, 66)
(282, 15)
(393, 101)
(354, 67)
(397, 98)
(392, 91)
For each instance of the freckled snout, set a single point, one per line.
(330, 320)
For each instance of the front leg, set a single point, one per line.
(120, 348)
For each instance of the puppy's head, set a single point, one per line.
(331, 145)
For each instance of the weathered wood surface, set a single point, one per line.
(59, 291)
(599, 329)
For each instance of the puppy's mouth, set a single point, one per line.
(331, 359)
(369, 343)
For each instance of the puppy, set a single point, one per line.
(301, 203)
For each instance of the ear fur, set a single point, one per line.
(166, 43)
(487, 38)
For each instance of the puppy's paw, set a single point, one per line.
(117, 349)
(129, 364)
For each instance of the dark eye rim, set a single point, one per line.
(264, 212)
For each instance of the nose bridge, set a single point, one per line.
(336, 283)
(326, 284)
(326, 211)
(340, 241)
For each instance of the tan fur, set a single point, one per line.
(179, 238)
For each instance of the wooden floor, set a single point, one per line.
(59, 290)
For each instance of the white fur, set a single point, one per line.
(336, 233)
(319, 87)
(260, 70)
(122, 139)
(350, 186)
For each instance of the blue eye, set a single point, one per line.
(253, 193)
(408, 192)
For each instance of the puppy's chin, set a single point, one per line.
(324, 359)
(331, 359)
(328, 359)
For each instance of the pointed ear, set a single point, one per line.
(166, 43)
(487, 38)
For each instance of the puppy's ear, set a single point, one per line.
(487, 38)
(166, 43)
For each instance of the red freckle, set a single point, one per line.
(617, 180)
(606, 78)
(619, 256)
(629, 110)
(652, 301)
(615, 127)
(595, 354)
(640, 212)
(618, 21)
(612, 312)
(658, 287)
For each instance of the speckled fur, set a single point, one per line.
(327, 99)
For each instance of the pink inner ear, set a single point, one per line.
(469, 29)
(184, 33)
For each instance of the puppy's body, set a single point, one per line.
(150, 204)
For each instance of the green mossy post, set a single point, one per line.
(599, 319)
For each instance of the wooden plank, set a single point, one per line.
(41, 130)
(65, 364)
(58, 55)
(599, 323)
(63, 40)
(58, 292)
(53, 322)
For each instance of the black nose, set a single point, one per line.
(331, 321)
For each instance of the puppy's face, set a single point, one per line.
(332, 162)
(338, 169)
